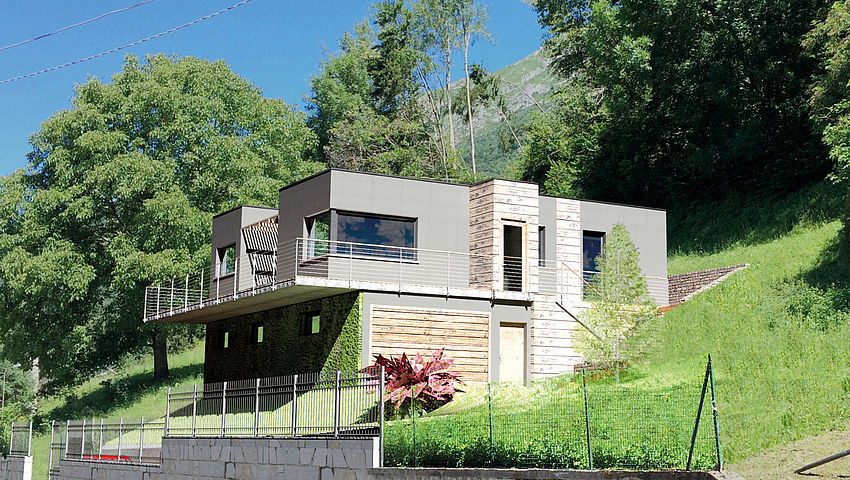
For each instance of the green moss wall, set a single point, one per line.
(283, 351)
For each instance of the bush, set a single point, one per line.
(431, 384)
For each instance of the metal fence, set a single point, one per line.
(573, 423)
(339, 404)
(335, 404)
(381, 267)
(20, 439)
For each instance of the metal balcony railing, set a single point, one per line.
(367, 266)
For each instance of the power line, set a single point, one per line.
(122, 47)
(24, 42)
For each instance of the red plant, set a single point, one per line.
(431, 384)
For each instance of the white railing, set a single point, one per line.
(378, 267)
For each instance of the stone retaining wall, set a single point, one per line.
(240, 458)
(15, 467)
(685, 285)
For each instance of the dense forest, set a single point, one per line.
(663, 103)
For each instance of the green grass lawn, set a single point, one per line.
(127, 393)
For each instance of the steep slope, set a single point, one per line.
(528, 87)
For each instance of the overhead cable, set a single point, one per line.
(49, 34)
(122, 47)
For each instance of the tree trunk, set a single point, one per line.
(159, 342)
(449, 99)
(469, 105)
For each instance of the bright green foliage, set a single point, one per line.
(119, 192)
(830, 43)
(620, 302)
(697, 98)
(363, 106)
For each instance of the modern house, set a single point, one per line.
(350, 265)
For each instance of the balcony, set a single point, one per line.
(305, 269)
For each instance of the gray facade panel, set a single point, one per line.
(299, 201)
(499, 312)
(441, 210)
(549, 219)
(647, 227)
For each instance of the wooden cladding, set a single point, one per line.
(465, 335)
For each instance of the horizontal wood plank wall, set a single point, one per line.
(553, 331)
(552, 328)
(465, 335)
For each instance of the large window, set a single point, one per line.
(356, 234)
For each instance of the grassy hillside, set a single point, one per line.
(779, 331)
(128, 392)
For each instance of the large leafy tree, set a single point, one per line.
(366, 104)
(829, 43)
(119, 192)
(700, 97)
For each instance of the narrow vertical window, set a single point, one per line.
(225, 339)
(226, 260)
(311, 324)
(257, 333)
(318, 233)
(541, 246)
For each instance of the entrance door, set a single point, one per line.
(511, 352)
(512, 257)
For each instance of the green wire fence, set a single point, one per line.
(573, 423)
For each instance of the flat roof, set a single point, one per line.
(243, 206)
(443, 182)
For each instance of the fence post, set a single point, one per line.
(257, 410)
(294, 405)
(223, 408)
(413, 420)
(381, 427)
(100, 442)
(337, 401)
(11, 437)
(145, 306)
(699, 414)
(29, 441)
(201, 291)
(141, 439)
(158, 294)
(83, 440)
(67, 436)
(50, 453)
(714, 414)
(186, 293)
(490, 414)
(171, 298)
(194, 407)
(120, 435)
(586, 420)
(167, 412)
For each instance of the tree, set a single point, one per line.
(829, 43)
(620, 303)
(472, 19)
(701, 98)
(119, 192)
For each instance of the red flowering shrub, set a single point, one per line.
(431, 384)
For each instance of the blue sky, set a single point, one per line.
(277, 44)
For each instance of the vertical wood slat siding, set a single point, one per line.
(465, 335)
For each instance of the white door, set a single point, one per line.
(511, 352)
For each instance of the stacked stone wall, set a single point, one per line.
(684, 286)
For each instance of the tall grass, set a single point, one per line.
(779, 330)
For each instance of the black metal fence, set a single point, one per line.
(563, 423)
